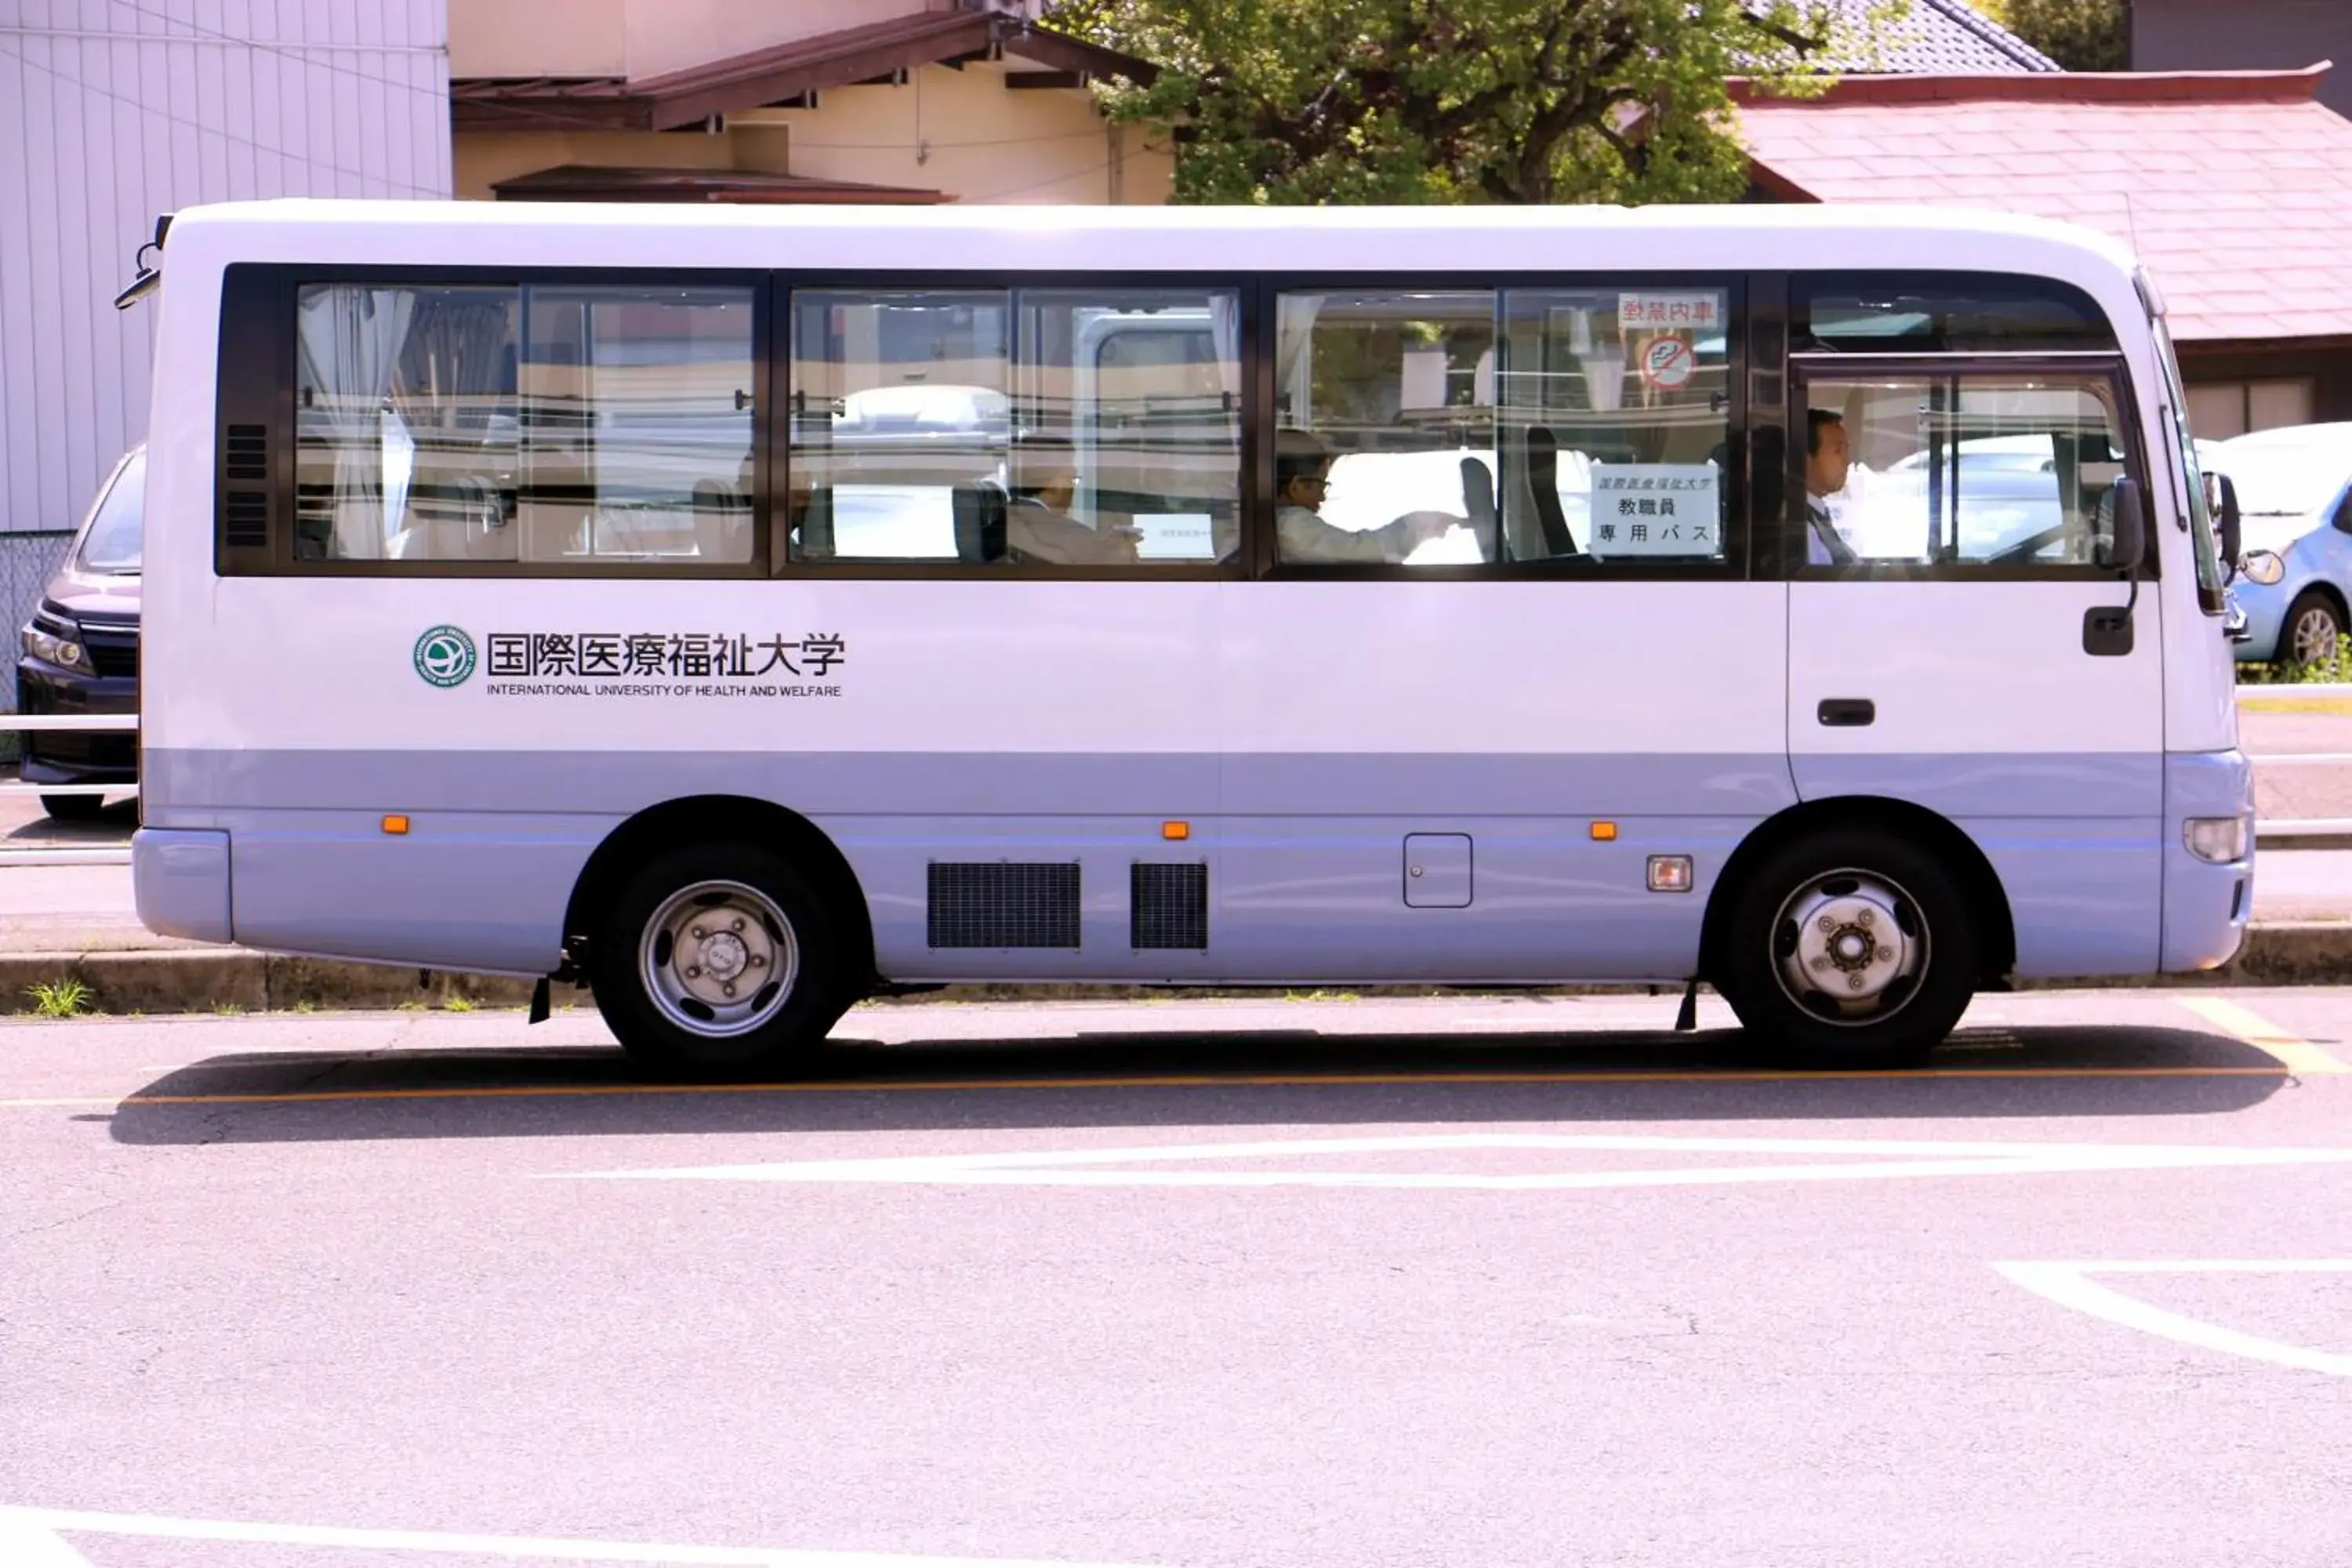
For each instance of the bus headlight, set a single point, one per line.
(2220, 840)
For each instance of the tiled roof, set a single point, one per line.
(2231, 185)
(1945, 37)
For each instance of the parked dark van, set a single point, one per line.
(81, 651)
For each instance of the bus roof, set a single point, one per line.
(1468, 239)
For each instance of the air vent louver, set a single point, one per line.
(1004, 904)
(1168, 905)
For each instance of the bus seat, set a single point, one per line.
(722, 522)
(1543, 478)
(979, 521)
(1478, 500)
(815, 542)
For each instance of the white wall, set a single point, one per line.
(113, 110)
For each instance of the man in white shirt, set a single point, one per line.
(1301, 473)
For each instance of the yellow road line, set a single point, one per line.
(1253, 1080)
(2292, 1052)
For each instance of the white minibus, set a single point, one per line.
(742, 611)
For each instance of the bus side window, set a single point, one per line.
(1971, 471)
(1012, 429)
(1615, 413)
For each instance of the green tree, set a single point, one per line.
(1279, 102)
(2081, 34)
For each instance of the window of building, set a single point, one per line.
(2220, 409)
(545, 424)
(1974, 470)
(1037, 428)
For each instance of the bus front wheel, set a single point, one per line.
(1850, 948)
(716, 957)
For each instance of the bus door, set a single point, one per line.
(1961, 636)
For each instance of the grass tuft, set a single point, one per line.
(65, 998)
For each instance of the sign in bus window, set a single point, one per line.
(1961, 470)
(1614, 424)
(1014, 428)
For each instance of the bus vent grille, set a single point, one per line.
(1004, 904)
(246, 514)
(1168, 904)
(248, 452)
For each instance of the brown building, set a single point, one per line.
(2231, 185)
(813, 101)
(2246, 35)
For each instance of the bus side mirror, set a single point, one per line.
(2127, 546)
(2234, 532)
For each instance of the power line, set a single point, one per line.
(300, 55)
(197, 125)
(1040, 184)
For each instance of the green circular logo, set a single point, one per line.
(445, 657)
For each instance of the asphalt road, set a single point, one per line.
(1348, 1285)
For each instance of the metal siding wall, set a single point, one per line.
(114, 110)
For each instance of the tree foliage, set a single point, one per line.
(1456, 101)
(2081, 34)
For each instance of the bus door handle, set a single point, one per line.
(1847, 713)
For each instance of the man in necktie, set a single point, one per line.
(1828, 456)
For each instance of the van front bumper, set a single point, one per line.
(2206, 904)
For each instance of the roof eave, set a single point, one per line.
(2047, 87)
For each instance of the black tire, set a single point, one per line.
(2313, 629)
(1843, 876)
(74, 807)
(648, 1002)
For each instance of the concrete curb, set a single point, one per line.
(235, 980)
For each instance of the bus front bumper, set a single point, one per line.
(2207, 903)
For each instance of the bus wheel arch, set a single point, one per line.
(1953, 851)
(705, 819)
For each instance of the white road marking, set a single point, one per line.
(35, 1526)
(2070, 1285)
(1829, 1160)
(27, 1542)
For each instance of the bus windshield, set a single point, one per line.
(2205, 548)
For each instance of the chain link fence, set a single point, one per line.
(27, 561)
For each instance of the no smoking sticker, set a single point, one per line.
(1668, 363)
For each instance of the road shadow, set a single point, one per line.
(1141, 1079)
(25, 826)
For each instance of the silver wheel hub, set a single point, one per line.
(1849, 946)
(2315, 635)
(718, 958)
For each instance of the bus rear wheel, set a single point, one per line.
(716, 957)
(1850, 948)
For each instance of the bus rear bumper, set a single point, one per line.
(180, 879)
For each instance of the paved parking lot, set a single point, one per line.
(1299, 1282)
